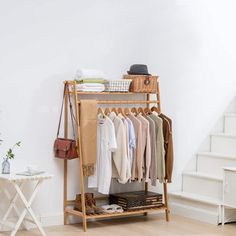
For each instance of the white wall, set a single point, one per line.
(190, 44)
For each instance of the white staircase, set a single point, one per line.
(201, 194)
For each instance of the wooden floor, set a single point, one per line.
(153, 225)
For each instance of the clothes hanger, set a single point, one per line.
(107, 111)
(134, 110)
(127, 111)
(155, 109)
(100, 111)
(140, 110)
(114, 110)
(147, 111)
(120, 110)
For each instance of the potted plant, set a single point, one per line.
(9, 155)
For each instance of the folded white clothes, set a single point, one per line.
(91, 87)
(89, 73)
(98, 90)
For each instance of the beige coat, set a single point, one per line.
(145, 149)
(120, 157)
(153, 166)
(160, 154)
(137, 155)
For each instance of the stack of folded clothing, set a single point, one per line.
(90, 80)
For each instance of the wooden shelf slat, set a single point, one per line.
(110, 93)
(74, 212)
(125, 102)
(108, 215)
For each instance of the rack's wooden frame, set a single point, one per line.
(69, 211)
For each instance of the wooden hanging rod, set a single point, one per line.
(125, 102)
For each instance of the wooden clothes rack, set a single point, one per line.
(72, 91)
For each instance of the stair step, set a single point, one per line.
(217, 155)
(203, 175)
(216, 161)
(195, 206)
(230, 123)
(223, 143)
(196, 197)
(203, 184)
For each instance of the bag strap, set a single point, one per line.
(72, 116)
(62, 105)
(71, 112)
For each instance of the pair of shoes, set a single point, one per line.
(90, 204)
(112, 208)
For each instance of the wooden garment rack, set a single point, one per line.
(68, 210)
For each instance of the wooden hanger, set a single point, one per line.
(140, 110)
(147, 110)
(134, 110)
(107, 111)
(126, 111)
(100, 111)
(120, 110)
(155, 109)
(114, 110)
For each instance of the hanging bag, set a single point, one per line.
(65, 148)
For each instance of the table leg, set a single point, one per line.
(13, 204)
(28, 208)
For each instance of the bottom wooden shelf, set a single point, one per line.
(108, 215)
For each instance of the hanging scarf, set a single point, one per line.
(88, 125)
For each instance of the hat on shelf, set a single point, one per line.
(138, 69)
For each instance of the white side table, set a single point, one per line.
(18, 182)
(229, 190)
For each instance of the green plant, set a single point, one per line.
(10, 154)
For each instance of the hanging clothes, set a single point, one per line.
(145, 149)
(132, 148)
(120, 157)
(169, 153)
(128, 169)
(153, 142)
(131, 144)
(106, 144)
(160, 155)
(137, 155)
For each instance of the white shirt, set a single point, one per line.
(106, 144)
(131, 143)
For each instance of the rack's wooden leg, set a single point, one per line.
(65, 193)
(146, 190)
(166, 202)
(84, 224)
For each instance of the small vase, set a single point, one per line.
(6, 166)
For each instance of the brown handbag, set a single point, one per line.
(65, 148)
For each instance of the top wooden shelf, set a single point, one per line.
(109, 93)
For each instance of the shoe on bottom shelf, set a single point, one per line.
(108, 209)
(78, 205)
(113, 208)
(117, 208)
(90, 204)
